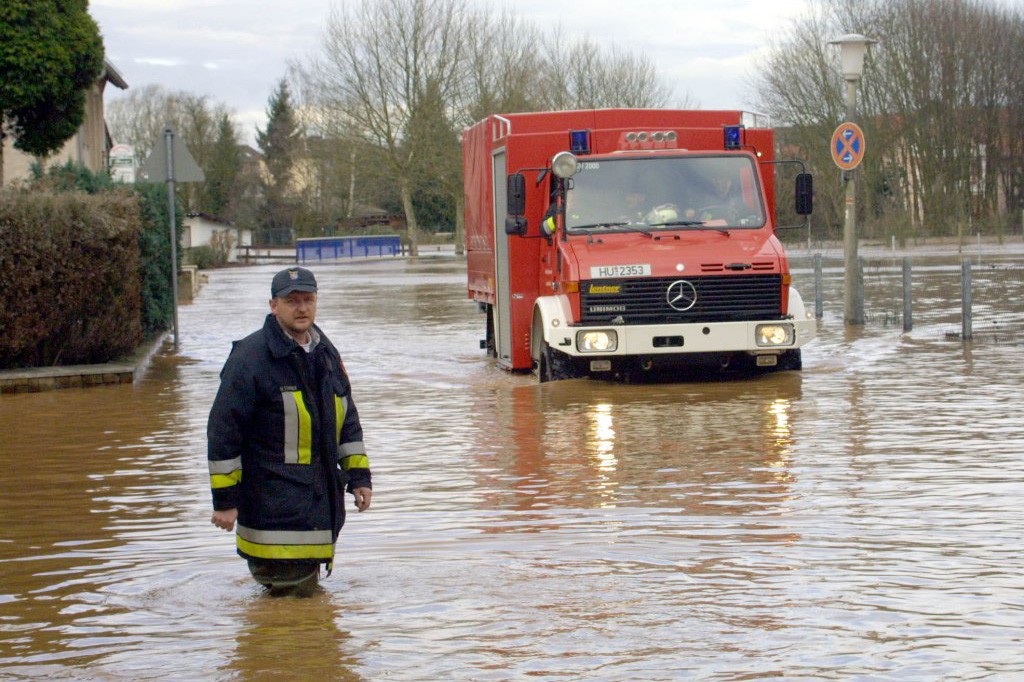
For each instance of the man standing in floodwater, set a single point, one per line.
(285, 442)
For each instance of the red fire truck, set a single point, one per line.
(623, 242)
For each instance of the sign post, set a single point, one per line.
(847, 148)
(168, 161)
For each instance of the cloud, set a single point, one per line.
(159, 61)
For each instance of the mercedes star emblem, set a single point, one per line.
(681, 295)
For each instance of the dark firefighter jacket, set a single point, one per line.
(284, 439)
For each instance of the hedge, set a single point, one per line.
(63, 264)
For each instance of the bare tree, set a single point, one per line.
(443, 67)
(504, 60)
(937, 94)
(139, 119)
(582, 75)
(383, 86)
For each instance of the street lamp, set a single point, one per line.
(852, 48)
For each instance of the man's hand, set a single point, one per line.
(362, 496)
(226, 519)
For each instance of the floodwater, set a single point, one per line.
(861, 519)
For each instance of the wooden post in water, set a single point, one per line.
(818, 298)
(908, 315)
(967, 332)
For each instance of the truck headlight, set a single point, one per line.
(774, 335)
(597, 341)
(564, 165)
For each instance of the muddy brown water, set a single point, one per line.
(861, 519)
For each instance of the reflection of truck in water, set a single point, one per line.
(623, 242)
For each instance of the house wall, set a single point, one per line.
(88, 146)
(199, 231)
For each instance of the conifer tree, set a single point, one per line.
(281, 144)
(222, 173)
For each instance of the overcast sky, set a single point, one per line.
(235, 51)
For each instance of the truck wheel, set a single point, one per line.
(553, 365)
(544, 370)
(790, 359)
(492, 350)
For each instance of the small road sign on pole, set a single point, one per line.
(848, 146)
(172, 161)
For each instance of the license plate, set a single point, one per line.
(609, 271)
(767, 360)
(600, 365)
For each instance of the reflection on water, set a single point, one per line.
(271, 629)
(860, 519)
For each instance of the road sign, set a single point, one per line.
(154, 169)
(848, 145)
(122, 163)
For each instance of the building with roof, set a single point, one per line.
(90, 146)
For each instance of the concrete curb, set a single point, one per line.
(35, 379)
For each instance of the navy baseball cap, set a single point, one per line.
(292, 279)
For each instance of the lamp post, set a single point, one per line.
(852, 48)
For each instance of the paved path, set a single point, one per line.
(34, 379)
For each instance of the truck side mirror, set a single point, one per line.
(515, 193)
(804, 194)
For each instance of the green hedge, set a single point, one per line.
(154, 235)
(63, 265)
(155, 254)
(85, 268)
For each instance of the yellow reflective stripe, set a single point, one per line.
(305, 431)
(298, 429)
(340, 404)
(285, 551)
(226, 480)
(355, 462)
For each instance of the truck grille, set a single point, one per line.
(719, 299)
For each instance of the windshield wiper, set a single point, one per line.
(628, 225)
(696, 224)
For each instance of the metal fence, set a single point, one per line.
(968, 298)
(343, 248)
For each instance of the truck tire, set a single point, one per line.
(790, 360)
(489, 342)
(553, 365)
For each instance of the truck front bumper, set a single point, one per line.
(768, 337)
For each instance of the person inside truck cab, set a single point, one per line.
(549, 223)
(639, 209)
(724, 200)
(635, 202)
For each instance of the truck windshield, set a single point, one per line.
(669, 193)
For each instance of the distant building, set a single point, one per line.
(90, 146)
(203, 229)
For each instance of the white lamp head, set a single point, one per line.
(852, 48)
